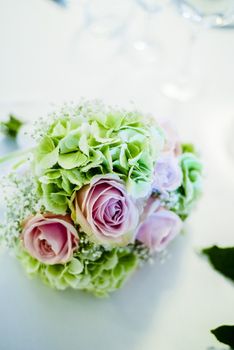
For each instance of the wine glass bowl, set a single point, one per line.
(151, 6)
(105, 18)
(146, 43)
(210, 13)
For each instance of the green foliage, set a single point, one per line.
(225, 334)
(92, 268)
(222, 259)
(188, 148)
(92, 139)
(11, 126)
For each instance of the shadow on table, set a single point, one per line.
(37, 317)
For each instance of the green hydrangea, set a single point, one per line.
(191, 188)
(92, 268)
(90, 139)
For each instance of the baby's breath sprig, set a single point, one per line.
(19, 194)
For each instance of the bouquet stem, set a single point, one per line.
(15, 155)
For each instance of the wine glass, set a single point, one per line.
(61, 2)
(208, 14)
(146, 42)
(100, 26)
(106, 18)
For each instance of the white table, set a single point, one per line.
(168, 307)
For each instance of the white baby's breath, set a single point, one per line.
(82, 110)
(20, 199)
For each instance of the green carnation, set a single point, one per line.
(91, 139)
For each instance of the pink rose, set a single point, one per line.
(172, 142)
(50, 239)
(158, 229)
(106, 212)
(167, 174)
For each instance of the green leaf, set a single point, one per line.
(70, 142)
(225, 334)
(188, 148)
(129, 262)
(75, 177)
(46, 155)
(118, 271)
(75, 267)
(123, 159)
(33, 266)
(95, 159)
(222, 259)
(66, 184)
(50, 177)
(48, 161)
(99, 134)
(46, 146)
(113, 121)
(71, 280)
(108, 159)
(11, 126)
(54, 271)
(111, 262)
(72, 160)
(58, 130)
(83, 144)
(54, 201)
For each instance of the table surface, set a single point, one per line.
(46, 59)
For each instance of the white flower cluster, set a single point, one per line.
(19, 196)
(41, 125)
(82, 109)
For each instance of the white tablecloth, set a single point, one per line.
(46, 58)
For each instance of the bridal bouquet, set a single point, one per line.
(102, 191)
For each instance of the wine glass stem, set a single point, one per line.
(186, 67)
(181, 86)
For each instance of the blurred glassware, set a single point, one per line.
(147, 43)
(107, 18)
(101, 29)
(63, 3)
(209, 14)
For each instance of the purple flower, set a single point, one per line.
(159, 228)
(167, 174)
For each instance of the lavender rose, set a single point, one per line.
(106, 212)
(50, 239)
(167, 175)
(159, 228)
